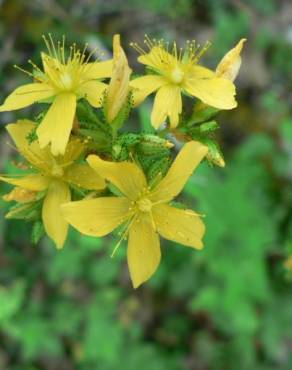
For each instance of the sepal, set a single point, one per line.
(214, 156)
(37, 232)
(30, 211)
(201, 113)
(122, 115)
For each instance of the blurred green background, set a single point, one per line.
(228, 307)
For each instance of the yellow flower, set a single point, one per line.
(178, 72)
(52, 175)
(230, 64)
(64, 80)
(145, 210)
(118, 90)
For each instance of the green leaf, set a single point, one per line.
(37, 232)
(214, 156)
(25, 211)
(201, 113)
(11, 300)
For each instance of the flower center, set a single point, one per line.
(57, 171)
(177, 75)
(144, 205)
(66, 81)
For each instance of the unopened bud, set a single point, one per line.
(230, 63)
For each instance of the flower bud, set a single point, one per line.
(118, 90)
(230, 64)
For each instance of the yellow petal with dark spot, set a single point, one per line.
(146, 85)
(179, 225)
(93, 92)
(97, 217)
(158, 59)
(182, 168)
(126, 176)
(84, 176)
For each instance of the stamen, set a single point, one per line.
(123, 235)
(24, 71)
(71, 52)
(203, 50)
(53, 46)
(47, 45)
(174, 50)
(95, 50)
(34, 66)
(150, 43)
(83, 52)
(167, 46)
(60, 52)
(63, 49)
(11, 145)
(138, 48)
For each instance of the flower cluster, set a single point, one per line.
(84, 170)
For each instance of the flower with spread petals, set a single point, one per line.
(145, 211)
(118, 90)
(64, 81)
(175, 72)
(230, 64)
(51, 175)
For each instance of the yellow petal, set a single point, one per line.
(143, 252)
(216, 92)
(34, 182)
(26, 95)
(199, 72)
(118, 90)
(74, 149)
(230, 64)
(55, 225)
(40, 158)
(51, 66)
(167, 102)
(57, 124)
(126, 176)
(97, 217)
(84, 176)
(97, 70)
(92, 91)
(144, 86)
(182, 226)
(182, 168)
(20, 195)
(157, 59)
(48, 59)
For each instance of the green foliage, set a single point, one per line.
(93, 127)
(225, 291)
